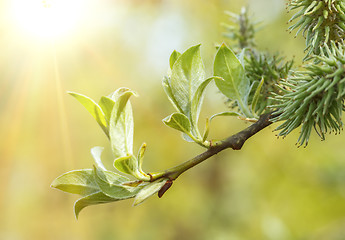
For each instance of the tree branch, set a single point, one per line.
(235, 142)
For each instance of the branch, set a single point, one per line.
(235, 142)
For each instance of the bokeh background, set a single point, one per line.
(269, 190)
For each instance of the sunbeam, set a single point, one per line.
(48, 18)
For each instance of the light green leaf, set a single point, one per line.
(187, 137)
(121, 124)
(92, 199)
(226, 65)
(187, 74)
(168, 92)
(197, 103)
(113, 187)
(107, 105)
(228, 113)
(129, 165)
(242, 55)
(257, 95)
(96, 154)
(93, 108)
(77, 182)
(178, 121)
(149, 190)
(173, 57)
(141, 157)
(207, 130)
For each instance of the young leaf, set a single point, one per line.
(226, 65)
(257, 95)
(168, 92)
(113, 186)
(197, 102)
(141, 157)
(178, 121)
(121, 124)
(96, 154)
(129, 165)
(149, 190)
(107, 105)
(93, 108)
(173, 57)
(207, 130)
(187, 74)
(92, 199)
(228, 113)
(187, 137)
(77, 182)
(242, 55)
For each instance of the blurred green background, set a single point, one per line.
(270, 190)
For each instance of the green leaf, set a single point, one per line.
(93, 108)
(257, 95)
(173, 57)
(121, 124)
(141, 157)
(92, 199)
(178, 121)
(197, 103)
(168, 92)
(187, 74)
(77, 182)
(242, 55)
(112, 185)
(129, 165)
(96, 154)
(107, 105)
(149, 190)
(226, 65)
(187, 137)
(228, 113)
(207, 130)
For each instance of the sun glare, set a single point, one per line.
(48, 18)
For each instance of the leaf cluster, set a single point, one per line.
(185, 88)
(260, 87)
(114, 115)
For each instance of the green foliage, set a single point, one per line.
(186, 85)
(94, 109)
(320, 21)
(149, 190)
(255, 83)
(185, 88)
(95, 187)
(121, 123)
(187, 74)
(233, 82)
(266, 69)
(178, 121)
(258, 65)
(314, 97)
